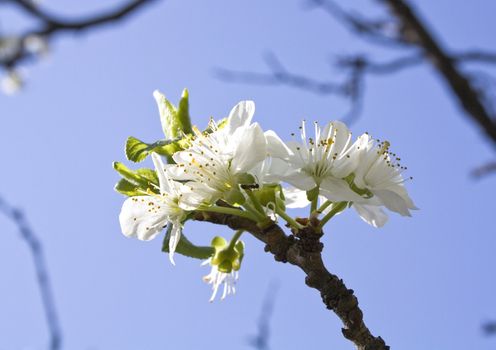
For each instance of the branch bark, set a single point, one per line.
(303, 248)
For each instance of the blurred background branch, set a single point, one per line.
(489, 328)
(33, 43)
(41, 270)
(402, 31)
(260, 341)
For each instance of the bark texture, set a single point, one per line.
(303, 248)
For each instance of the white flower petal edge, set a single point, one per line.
(320, 161)
(217, 278)
(371, 214)
(144, 217)
(214, 160)
(379, 172)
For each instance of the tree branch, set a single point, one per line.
(489, 328)
(379, 31)
(303, 249)
(469, 98)
(261, 340)
(352, 87)
(52, 24)
(41, 270)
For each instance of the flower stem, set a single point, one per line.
(258, 215)
(338, 207)
(287, 218)
(324, 207)
(313, 205)
(229, 211)
(234, 239)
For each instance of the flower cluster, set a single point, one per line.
(236, 168)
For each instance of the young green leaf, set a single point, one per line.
(137, 150)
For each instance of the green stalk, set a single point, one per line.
(234, 239)
(229, 211)
(255, 201)
(313, 205)
(324, 207)
(249, 208)
(287, 218)
(338, 207)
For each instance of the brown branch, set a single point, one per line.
(303, 249)
(41, 269)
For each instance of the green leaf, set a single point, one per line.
(182, 117)
(128, 188)
(167, 115)
(135, 182)
(186, 248)
(137, 150)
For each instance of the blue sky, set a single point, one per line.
(425, 282)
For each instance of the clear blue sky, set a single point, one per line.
(423, 283)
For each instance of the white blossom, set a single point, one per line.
(145, 216)
(214, 161)
(12, 82)
(379, 171)
(323, 161)
(217, 278)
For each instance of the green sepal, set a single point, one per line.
(235, 197)
(218, 242)
(245, 179)
(271, 194)
(186, 248)
(350, 179)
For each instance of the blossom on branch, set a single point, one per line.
(233, 168)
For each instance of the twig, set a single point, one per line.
(483, 170)
(49, 24)
(351, 88)
(41, 270)
(261, 340)
(489, 328)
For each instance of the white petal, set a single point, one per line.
(240, 116)
(174, 240)
(371, 214)
(337, 190)
(276, 147)
(163, 178)
(300, 179)
(250, 150)
(393, 201)
(138, 221)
